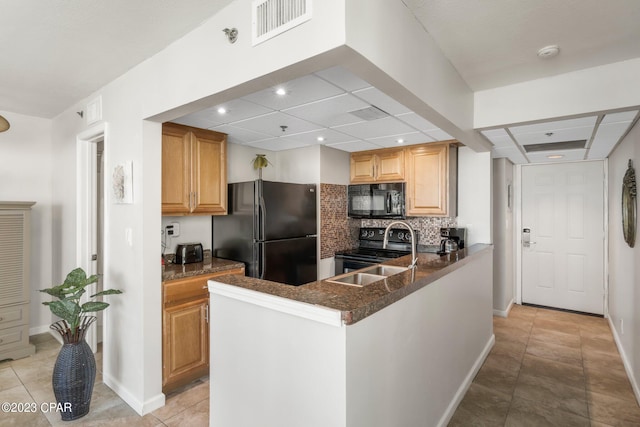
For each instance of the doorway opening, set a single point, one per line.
(91, 214)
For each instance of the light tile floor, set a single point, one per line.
(550, 368)
(28, 380)
(547, 368)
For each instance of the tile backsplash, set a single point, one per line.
(338, 232)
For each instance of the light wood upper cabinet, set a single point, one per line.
(194, 171)
(431, 180)
(385, 165)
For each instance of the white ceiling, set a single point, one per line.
(63, 50)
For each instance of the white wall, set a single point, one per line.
(624, 289)
(25, 175)
(474, 195)
(503, 237)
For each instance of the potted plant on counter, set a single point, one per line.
(75, 370)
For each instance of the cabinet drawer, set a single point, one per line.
(192, 287)
(14, 337)
(14, 315)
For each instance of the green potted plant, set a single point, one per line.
(259, 162)
(75, 370)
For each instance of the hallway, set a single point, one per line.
(550, 368)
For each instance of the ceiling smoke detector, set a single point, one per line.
(549, 51)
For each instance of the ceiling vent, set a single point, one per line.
(370, 113)
(555, 146)
(272, 17)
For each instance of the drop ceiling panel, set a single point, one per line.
(418, 122)
(376, 97)
(407, 138)
(568, 156)
(310, 138)
(553, 126)
(376, 128)
(270, 124)
(299, 91)
(239, 135)
(330, 112)
(607, 137)
(277, 144)
(626, 116)
(355, 146)
(236, 110)
(439, 135)
(343, 79)
(201, 119)
(498, 137)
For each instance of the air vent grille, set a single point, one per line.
(370, 113)
(555, 146)
(273, 17)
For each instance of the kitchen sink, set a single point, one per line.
(356, 279)
(368, 276)
(385, 270)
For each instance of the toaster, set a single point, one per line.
(188, 253)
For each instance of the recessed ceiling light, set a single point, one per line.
(281, 91)
(320, 138)
(555, 156)
(548, 51)
(222, 110)
(400, 141)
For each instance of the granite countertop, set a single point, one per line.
(356, 303)
(210, 265)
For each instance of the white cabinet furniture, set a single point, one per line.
(14, 280)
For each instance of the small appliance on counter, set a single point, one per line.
(187, 253)
(452, 239)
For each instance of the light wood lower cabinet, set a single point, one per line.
(185, 329)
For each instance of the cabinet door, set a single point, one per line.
(176, 170)
(427, 186)
(390, 165)
(362, 167)
(209, 173)
(185, 343)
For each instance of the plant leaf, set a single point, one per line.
(65, 309)
(107, 292)
(94, 306)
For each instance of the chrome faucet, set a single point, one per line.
(385, 241)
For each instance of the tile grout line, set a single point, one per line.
(520, 368)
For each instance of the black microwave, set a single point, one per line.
(376, 200)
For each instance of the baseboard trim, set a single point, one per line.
(462, 390)
(37, 330)
(504, 313)
(142, 408)
(625, 361)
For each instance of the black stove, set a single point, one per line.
(370, 251)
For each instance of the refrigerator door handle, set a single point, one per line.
(263, 261)
(262, 210)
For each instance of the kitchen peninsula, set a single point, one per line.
(400, 351)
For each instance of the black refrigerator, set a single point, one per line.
(271, 227)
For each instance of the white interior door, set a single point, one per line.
(563, 236)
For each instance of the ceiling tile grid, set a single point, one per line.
(320, 108)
